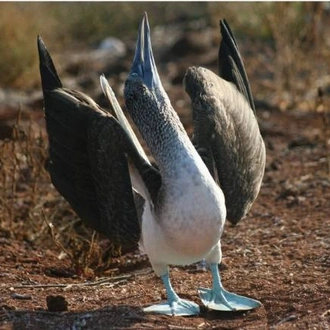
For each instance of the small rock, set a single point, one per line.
(21, 296)
(56, 304)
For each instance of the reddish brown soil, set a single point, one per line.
(279, 254)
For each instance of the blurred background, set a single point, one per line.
(285, 48)
(296, 34)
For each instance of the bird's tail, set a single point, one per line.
(49, 77)
(119, 114)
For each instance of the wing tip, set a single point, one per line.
(49, 77)
(228, 45)
(230, 63)
(226, 32)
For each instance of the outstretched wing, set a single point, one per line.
(231, 67)
(226, 131)
(88, 163)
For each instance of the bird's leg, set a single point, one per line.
(175, 305)
(218, 298)
(201, 266)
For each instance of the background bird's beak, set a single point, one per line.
(144, 64)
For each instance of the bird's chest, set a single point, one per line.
(193, 215)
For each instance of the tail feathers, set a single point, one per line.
(119, 114)
(49, 77)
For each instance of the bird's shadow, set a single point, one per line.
(121, 316)
(221, 315)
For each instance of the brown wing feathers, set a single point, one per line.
(87, 162)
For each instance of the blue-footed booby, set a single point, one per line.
(177, 211)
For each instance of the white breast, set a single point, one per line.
(190, 220)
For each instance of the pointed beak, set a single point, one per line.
(144, 65)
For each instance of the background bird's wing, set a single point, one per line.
(88, 163)
(231, 67)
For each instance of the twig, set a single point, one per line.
(170, 326)
(21, 296)
(326, 313)
(112, 280)
(56, 241)
(286, 319)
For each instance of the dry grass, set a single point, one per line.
(70, 25)
(13, 45)
(21, 172)
(322, 108)
(297, 30)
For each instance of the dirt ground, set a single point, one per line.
(279, 255)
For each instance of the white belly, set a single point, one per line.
(186, 228)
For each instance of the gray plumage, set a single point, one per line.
(226, 131)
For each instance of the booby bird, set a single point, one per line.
(97, 164)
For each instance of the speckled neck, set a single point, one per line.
(160, 127)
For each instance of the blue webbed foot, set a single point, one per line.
(174, 306)
(219, 299)
(181, 307)
(226, 301)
